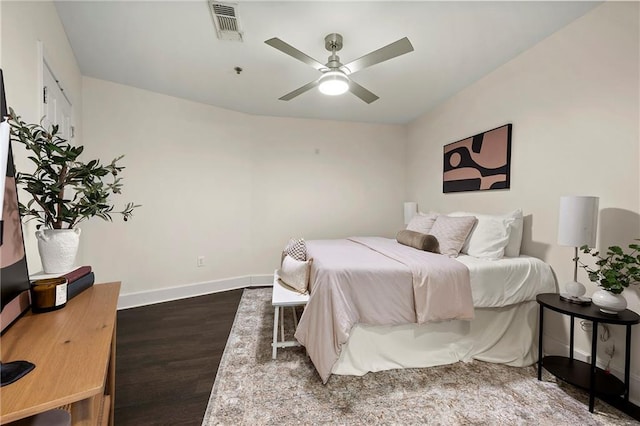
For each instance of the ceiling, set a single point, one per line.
(172, 48)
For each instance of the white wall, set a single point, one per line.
(573, 100)
(230, 186)
(19, 38)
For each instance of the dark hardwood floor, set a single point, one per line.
(167, 356)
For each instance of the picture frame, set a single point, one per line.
(478, 163)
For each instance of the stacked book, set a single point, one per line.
(78, 280)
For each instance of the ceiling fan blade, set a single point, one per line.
(390, 51)
(299, 91)
(361, 92)
(292, 51)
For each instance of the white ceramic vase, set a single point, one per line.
(58, 249)
(608, 302)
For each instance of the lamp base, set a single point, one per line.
(575, 289)
(578, 300)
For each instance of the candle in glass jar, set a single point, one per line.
(48, 294)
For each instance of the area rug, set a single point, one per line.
(252, 389)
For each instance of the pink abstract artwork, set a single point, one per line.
(480, 162)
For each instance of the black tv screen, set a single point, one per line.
(14, 275)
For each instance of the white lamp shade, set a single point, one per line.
(410, 210)
(578, 221)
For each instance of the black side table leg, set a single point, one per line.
(627, 361)
(571, 332)
(540, 342)
(592, 381)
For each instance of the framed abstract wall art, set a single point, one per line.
(480, 162)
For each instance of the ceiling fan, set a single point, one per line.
(335, 75)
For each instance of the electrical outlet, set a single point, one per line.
(200, 261)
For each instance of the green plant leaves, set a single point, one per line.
(64, 190)
(616, 270)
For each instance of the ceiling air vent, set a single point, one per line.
(225, 18)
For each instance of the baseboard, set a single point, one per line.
(555, 347)
(262, 280)
(150, 297)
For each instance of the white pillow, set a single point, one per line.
(422, 222)
(515, 235)
(494, 236)
(294, 274)
(451, 233)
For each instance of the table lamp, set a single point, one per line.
(410, 210)
(577, 225)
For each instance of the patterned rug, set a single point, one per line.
(252, 389)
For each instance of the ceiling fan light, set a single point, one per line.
(333, 83)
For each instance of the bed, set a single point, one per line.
(376, 305)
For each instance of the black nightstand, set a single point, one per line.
(586, 376)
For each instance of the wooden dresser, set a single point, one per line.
(74, 352)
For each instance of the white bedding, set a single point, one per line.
(500, 335)
(507, 281)
(503, 331)
(353, 284)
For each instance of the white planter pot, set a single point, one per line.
(608, 302)
(58, 249)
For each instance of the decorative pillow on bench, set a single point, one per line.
(297, 249)
(294, 274)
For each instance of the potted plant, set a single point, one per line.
(64, 191)
(614, 272)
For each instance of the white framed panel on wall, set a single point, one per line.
(55, 106)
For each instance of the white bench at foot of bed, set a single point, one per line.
(280, 299)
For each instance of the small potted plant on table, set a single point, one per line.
(64, 191)
(614, 272)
